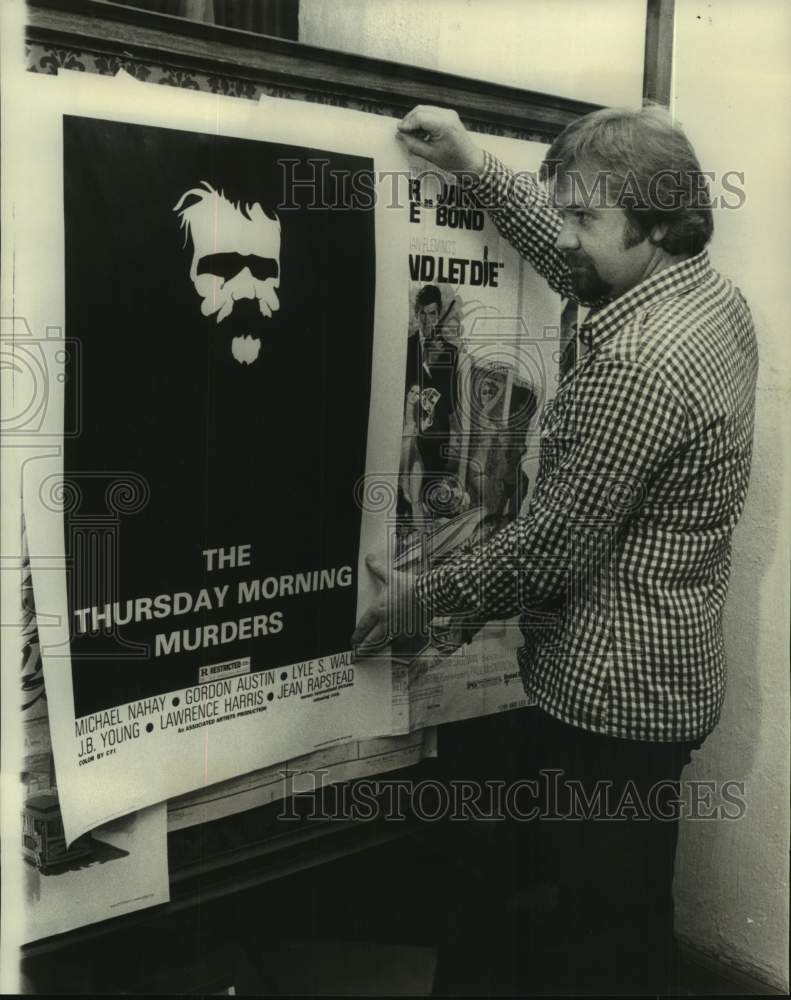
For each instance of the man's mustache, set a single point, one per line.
(577, 259)
(246, 317)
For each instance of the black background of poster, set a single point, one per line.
(265, 454)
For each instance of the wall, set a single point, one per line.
(732, 92)
(573, 47)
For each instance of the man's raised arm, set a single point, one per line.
(517, 204)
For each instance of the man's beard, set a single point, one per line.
(587, 283)
(241, 336)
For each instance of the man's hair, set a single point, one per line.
(426, 296)
(195, 198)
(649, 162)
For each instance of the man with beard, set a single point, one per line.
(235, 246)
(235, 259)
(620, 566)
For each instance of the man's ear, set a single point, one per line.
(658, 232)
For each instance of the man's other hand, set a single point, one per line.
(388, 616)
(439, 136)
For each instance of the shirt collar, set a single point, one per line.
(608, 319)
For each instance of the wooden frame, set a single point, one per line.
(99, 27)
(658, 61)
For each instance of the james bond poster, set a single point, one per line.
(481, 331)
(218, 353)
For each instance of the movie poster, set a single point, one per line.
(481, 330)
(240, 337)
(226, 352)
(118, 868)
(222, 306)
(302, 776)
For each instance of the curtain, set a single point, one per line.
(264, 17)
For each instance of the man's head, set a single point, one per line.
(428, 309)
(236, 257)
(632, 196)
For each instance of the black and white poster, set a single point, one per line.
(482, 334)
(212, 384)
(226, 345)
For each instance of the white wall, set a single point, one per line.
(576, 48)
(732, 92)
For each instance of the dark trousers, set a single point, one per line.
(592, 835)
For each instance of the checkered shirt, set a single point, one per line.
(620, 564)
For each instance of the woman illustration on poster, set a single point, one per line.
(487, 459)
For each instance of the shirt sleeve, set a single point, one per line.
(523, 213)
(621, 427)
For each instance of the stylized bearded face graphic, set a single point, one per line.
(236, 256)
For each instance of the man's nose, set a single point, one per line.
(242, 286)
(567, 237)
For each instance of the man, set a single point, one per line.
(235, 257)
(620, 566)
(430, 375)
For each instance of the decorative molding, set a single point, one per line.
(97, 36)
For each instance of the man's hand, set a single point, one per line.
(387, 616)
(439, 136)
